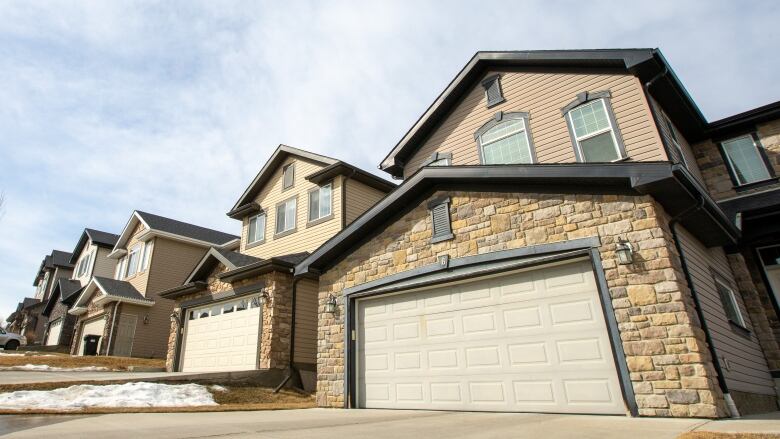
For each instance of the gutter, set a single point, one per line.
(732, 408)
(291, 369)
(111, 330)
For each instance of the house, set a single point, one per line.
(89, 258)
(123, 309)
(240, 308)
(562, 242)
(54, 267)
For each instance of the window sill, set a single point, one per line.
(756, 184)
(285, 233)
(739, 329)
(493, 104)
(442, 238)
(317, 221)
(254, 244)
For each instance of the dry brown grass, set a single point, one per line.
(237, 398)
(714, 435)
(70, 361)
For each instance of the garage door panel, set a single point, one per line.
(546, 350)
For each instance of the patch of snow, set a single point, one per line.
(11, 355)
(218, 388)
(114, 395)
(47, 368)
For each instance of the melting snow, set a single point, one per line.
(114, 395)
(218, 388)
(47, 368)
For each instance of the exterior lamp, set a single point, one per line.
(175, 318)
(330, 304)
(264, 298)
(625, 252)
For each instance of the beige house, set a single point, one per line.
(122, 309)
(32, 321)
(240, 308)
(554, 247)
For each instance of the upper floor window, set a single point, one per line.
(320, 202)
(593, 128)
(730, 305)
(505, 140)
(132, 260)
(285, 215)
(493, 93)
(43, 283)
(746, 160)
(256, 229)
(288, 176)
(83, 265)
(675, 140)
(146, 255)
(120, 268)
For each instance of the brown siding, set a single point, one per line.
(748, 371)
(170, 264)
(542, 95)
(360, 198)
(689, 156)
(715, 171)
(306, 321)
(104, 267)
(305, 238)
(150, 339)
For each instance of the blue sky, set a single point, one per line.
(172, 107)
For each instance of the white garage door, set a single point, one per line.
(222, 337)
(94, 327)
(534, 341)
(55, 328)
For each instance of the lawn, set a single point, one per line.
(236, 398)
(71, 361)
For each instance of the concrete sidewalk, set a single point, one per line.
(377, 424)
(29, 377)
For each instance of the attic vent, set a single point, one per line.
(440, 217)
(492, 85)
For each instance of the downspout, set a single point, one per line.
(732, 407)
(344, 199)
(646, 86)
(111, 330)
(291, 370)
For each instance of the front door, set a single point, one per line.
(125, 332)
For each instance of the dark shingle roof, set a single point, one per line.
(236, 258)
(119, 288)
(69, 290)
(29, 301)
(60, 258)
(185, 229)
(293, 258)
(102, 238)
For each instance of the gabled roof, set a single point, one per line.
(157, 225)
(101, 239)
(671, 185)
(278, 156)
(65, 291)
(57, 259)
(354, 173)
(646, 64)
(28, 302)
(110, 290)
(197, 278)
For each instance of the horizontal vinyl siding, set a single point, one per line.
(543, 95)
(360, 198)
(748, 367)
(140, 279)
(170, 264)
(104, 266)
(305, 238)
(150, 340)
(306, 321)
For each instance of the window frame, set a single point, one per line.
(436, 157)
(761, 153)
(291, 167)
(445, 235)
(146, 256)
(320, 219)
(136, 249)
(501, 117)
(586, 98)
(740, 321)
(257, 242)
(279, 234)
(675, 140)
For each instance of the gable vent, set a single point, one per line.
(492, 85)
(440, 218)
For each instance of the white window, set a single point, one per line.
(320, 202)
(288, 176)
(146, 255)
(730, 304)
(675, 139)
(506, 143)
(256, 229)
(120, 268)
(440, 162)
(132, 260)
(285, 215)
(83, 266)
(594, 133)
(745, 160)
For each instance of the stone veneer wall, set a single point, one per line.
(274, 350)
(60, 310)
(669, 363)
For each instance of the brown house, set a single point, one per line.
(89, 259)
(240, 308)
(123, 309)
(33, 321)
(556, 246)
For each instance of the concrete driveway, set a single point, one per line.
(27, 377)
(377, 424)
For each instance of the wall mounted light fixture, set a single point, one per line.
(624, 252)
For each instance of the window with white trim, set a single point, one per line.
(256, 229)
(320, 201)
(730, 304)
(132, 260)
(83, 264)
(744, 159)
(594, 133)
(506, 142)
(120, 268)
(675, 140)
(285, 215)
(146, 255)
(288, 176)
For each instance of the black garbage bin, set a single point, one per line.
(91, 344)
